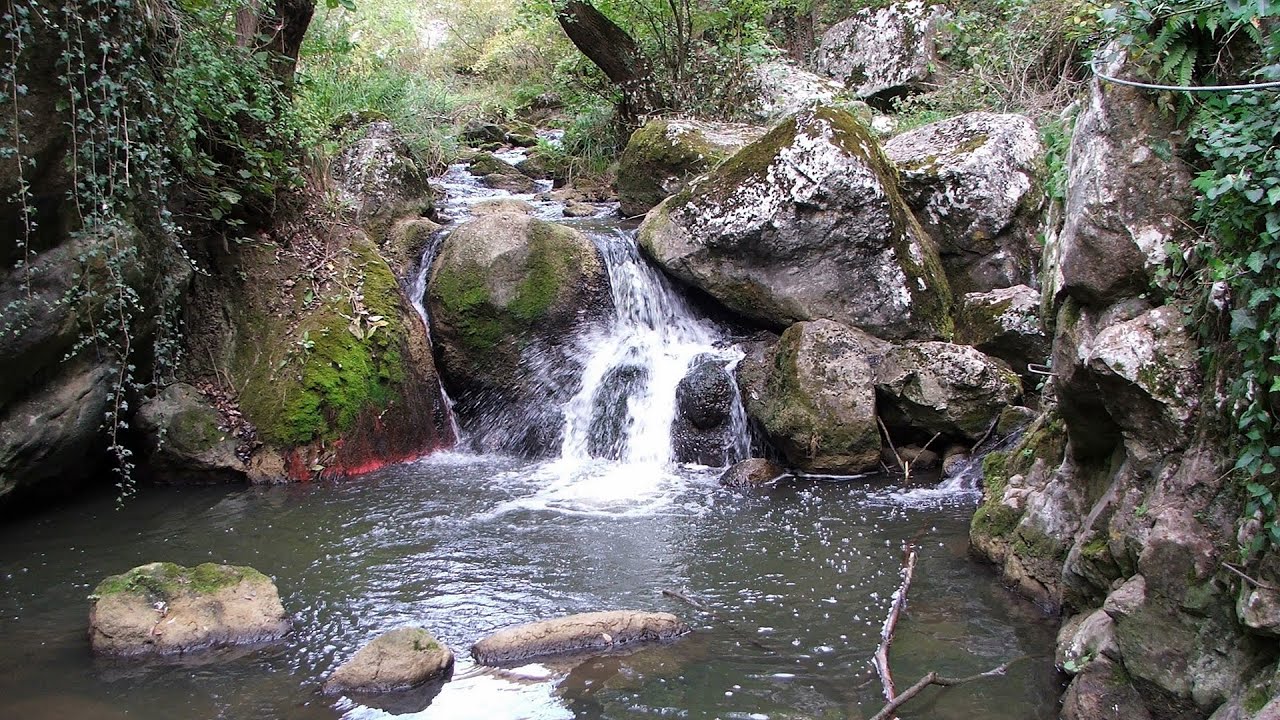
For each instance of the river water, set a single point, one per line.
(796, 580)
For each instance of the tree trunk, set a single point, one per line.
(278, 28)
(616, 54)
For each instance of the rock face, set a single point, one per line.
(661, 157)
(974, 182)
(506, 293)
(783, 88)
(594, 631)
(1005, 324)
(188, 438)
(753, 472)
(395, 660)
(885, 52)
(702, 431)
(162, 608)
(817, 399)
(943, 388)
(805, 223)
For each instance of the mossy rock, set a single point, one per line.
(661, 157)
(396, 660)
(185, 439)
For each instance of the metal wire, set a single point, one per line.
(1093, 65)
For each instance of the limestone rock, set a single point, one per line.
(818, 402)
(186, 438)
(1085, 638)
(803, 224)
(377, 176)
(661, 158)
(783, 88)
(1103, 692)
(163, 608)
(1005, 324)
(506, 292)
(974, 183)
(593, 631)
(395, 660)
(884, 52)
(752, 472)
(941, 387)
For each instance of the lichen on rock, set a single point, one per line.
(663, 155)
(885, 51)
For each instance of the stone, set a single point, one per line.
(939, 387)
(585, 632)
(1259, 609)
(702, 432)
(1014, 418)
(484, 163)
(187, 438)
(817, 404)
(783, 88)
(805, 224)
(1103, 692)
(479, 132)
(610, 413)
(1005, 323)
(377, 177)
(575, 209)
(752, 472)
(883, 53)
(404, 244)
(507, 294)
(663, 155)
(518, 184)
(163, 608)
(396, 660)
(974, 183)
(501, 205)
(1085, 638)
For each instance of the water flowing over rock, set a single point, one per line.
(396, 660)
(805, 223)
(1005, 324)
(884, 52)
(783, 88)
(661, 157)
(974, 182)
(594, 631)
(507, 293)
(162, 608)
(817, 399)
(187, 438)
(943, 388)
(703, 431)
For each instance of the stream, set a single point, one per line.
(800, 577)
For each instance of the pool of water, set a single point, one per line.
(799, 579)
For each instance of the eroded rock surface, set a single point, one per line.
(592, 631)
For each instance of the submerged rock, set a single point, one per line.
(974, 182)
(508, 293)
(163, 608)
(593, 631)
(752, 472)
(805, 223)
(186, 438)
(395, 660)
(884, 52)
(661, 157)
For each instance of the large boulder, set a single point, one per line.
(1005, 324)
(974, 183)
(817, 401)
(188, 439)
(661, 157)
(1128, 195)
(703, 428)
(507, 295)
(883, 53)
(163, 608)
(593, 631)
(396, 660)
(939, 387)
(783, 88)
(378, 178)
(805, 223)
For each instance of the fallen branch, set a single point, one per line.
(984, 437)
(889, 440)
(934, 678)
(891, 623)
(1256, 583)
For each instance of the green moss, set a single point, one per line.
(1256, 699)
(194, 430)
(993, 518)
(1030, 543)
(166, 580)
(1094, 549)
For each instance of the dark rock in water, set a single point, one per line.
(752, 472)
(478, 132)
(164, 608)
(607, 435)
(516, 184)
(394, 661)
(186, 440)
(703, 428)
(594, 631)
(507, 294)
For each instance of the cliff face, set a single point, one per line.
(1116, 506)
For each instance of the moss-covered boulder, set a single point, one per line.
(188, 439)
(936, 387)
(396, 660)
(661, 157)
(1005, 324)
(163, 608)
(499, 174)
(974, 182)
(817, 402)
(806, 223)
(508, 293)
(883, 52)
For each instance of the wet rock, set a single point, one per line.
(954, 463)
(1005, 324)
(753, 472)
(482, 164)
(817, 402)
(805, 223)
(594, 631)
(378, 178)
(661, 158)
(1103, 692)
(943, 388)
(404, 243)
(541, 164)
(610, 414)
(1128, 192)
(518, 184)
(501, 205)
(395, 660)
(783, 88)
(974, 183)
(507, 295)
(702, 431)
(187, 440)
(163, 608)
(882, 53)
(575, 209)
